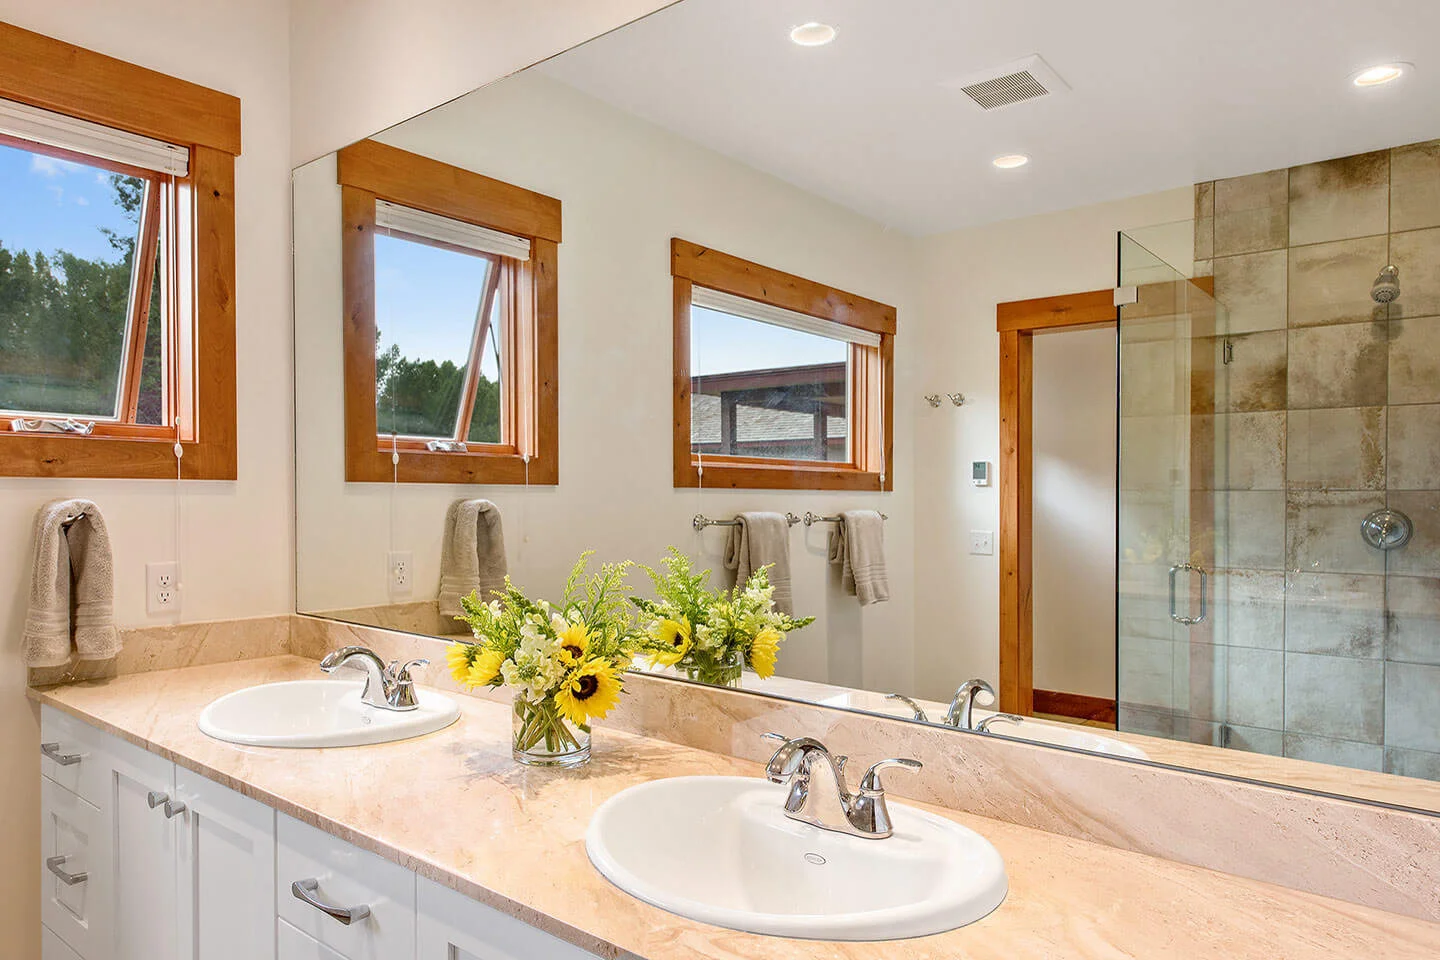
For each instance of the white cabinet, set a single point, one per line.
(294, 945)
(142, 841)
(451, 926)
(75, 882)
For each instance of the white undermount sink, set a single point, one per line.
(319, 713)
(720, 850)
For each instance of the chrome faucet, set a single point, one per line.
(386, 687)
(984, 725)
(818, 793)
(915, 708)
(962, 707)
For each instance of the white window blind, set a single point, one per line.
(92, 139)
(780, 317)
(392, 216)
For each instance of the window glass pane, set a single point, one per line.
(760, 390)
(151, 406)
(67, 240)
(426, 302)
(485, 421)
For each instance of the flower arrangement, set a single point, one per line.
(565, 662)
(712, 634)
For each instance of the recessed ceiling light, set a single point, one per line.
(1010, 161)
(813, 34)
(1378, 75)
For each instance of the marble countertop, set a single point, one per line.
(457, 809)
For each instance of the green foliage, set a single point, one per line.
(421, 398)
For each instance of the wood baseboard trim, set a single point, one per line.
(1076, 705)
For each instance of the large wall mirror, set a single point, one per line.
(1137, 370)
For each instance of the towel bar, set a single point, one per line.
(813, 518)
(700, 521)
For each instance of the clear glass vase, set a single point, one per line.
(545, 737)
(721, 671)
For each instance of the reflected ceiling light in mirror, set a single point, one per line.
(1010, 161)
(812, 34)
(1379, 75)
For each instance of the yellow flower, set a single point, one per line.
(764, 650)
(485, 668)
(589, 691)
(458, 659)
(574, 640)
(673, 636)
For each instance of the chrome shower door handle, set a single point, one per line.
(308, 891)
(1204, 589)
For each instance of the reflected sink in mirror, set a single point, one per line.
(319, 713)
(721, 850)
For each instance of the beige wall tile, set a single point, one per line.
(1412, 706)
(1412, 606)
(1338, 614)
(1337, 697)
(1330, 282)
(1338, 753)
(1255, 684)
(1421, 556)
(1204, 220)
(1415, 186)
(1249, 608)
(1417, 254)
(1339, 366)
(1251, 289)
(1414, 368)
(1340, 448)
(1247, 451)
(1254, 380)
(1250, 530)
(1252, 213)
(1341, 198)
(1412, 763)
(1415, 447)
(1322, 532)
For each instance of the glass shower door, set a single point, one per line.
(1170, 676)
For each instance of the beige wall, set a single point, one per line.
(627, 187)
(963, 275)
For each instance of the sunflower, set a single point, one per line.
(458, 659)
(589, 691)
(574, 640)
(485, 668)
(673, 636)
(764, 650)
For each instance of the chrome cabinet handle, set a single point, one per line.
(52, 750)
(54, 865)
(157, 799)
(1204, 582)
(308, 892)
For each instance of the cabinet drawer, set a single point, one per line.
(82, 772)
(73, 843)
(294, 945)
(451, 926)
(53, 948)
(344, 877)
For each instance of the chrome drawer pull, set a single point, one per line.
(307, 891)
(157, 799)
(52, 750)
(53, 864)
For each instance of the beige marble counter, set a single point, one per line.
(454, 807)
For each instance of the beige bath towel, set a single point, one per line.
(72, 590)
(857, 545)
(472, 554)
(762, 539)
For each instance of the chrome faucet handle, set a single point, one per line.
(984, 725)
(400, 672)
(870, 784)
(918, 710)
(400, 692)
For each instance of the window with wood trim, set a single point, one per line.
(117, 252)
(780, 382)
(450, 332)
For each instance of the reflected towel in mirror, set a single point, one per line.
(762, 539)
(472, 554)
(857, 546)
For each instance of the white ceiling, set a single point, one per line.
(1164, 94)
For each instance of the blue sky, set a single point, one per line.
(425, 300)
(722, 343)
(51, 204)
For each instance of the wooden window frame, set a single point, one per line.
(872, 378)
(60, 77)
(370, 170)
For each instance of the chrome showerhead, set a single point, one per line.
(1387, 285)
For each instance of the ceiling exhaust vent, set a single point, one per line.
(1012, 83)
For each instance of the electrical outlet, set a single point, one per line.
(162, 588)
(982, 542)
(400, 564)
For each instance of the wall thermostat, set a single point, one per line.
(980, 473)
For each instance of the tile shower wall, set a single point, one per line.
(1320, 647)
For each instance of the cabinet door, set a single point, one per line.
(75, 888)
(142, 843)
(294, 945)
(225, 873)
(53, 948)
(451, 926)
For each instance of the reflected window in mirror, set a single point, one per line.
(450, 346)
(780, 382)
(117, 252)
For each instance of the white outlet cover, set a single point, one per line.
(982, 542)
(400, 572)
(162, 588)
